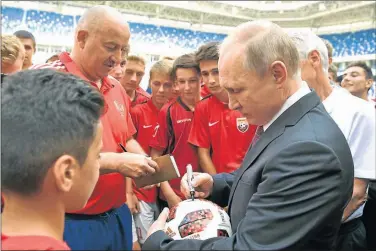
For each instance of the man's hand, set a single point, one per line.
(202, 182)
(133, 203)
(160, 223)
(358, 198)
(173, 201)
(129, 164)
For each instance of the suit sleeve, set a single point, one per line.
(299, 191)
(199, 135)
(222, 188)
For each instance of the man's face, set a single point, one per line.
(87, 175)
(188, 81)
(29, 52)
(257, 98)
(210, 76)
(102, 49)
(118, 71)
(355, 81)
(161, 88)
(134, 71)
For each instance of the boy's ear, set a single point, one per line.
(64, 170)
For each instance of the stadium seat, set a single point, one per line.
(353, 44)
(11, 18)
(60, 26)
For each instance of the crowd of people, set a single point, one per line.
(271, 136)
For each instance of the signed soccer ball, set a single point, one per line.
(197, 219)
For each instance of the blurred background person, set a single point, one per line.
(52, 58)
(332, 68)
(118, 71)
(134, 72)
(330, 49)
(358, 79)
(332, 74)
(28, 40)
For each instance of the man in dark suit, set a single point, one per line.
(297, 176)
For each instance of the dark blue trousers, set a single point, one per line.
(111, 230)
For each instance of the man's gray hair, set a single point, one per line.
(263, 43)
(306, 42)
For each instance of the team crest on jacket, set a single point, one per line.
(120, 108)
(242, 124)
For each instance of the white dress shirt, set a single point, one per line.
(356, 119)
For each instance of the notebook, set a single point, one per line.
(168, 170)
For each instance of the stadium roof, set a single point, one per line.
(231, 13)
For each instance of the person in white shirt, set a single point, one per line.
(358, 80)
(356, 119)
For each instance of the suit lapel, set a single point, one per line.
(253, 152)
(288, 118)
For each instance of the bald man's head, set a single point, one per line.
(262, 43)
(94, 17)
(101, 41)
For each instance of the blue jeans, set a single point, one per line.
(111, 230)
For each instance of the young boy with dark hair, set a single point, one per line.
(51, 141)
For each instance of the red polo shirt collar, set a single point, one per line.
(73, 68)
(152, 106)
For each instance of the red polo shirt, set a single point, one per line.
(141, 96)
(204, 91)
(225, 131)
(145, 117)
(117, 128)
(171, 135)
(31, 243)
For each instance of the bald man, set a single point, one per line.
(296, 178)
(100, 42)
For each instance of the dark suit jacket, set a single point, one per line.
(290, 191)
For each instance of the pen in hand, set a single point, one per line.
(122, 147)
(189, 179)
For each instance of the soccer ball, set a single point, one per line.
(197, 219)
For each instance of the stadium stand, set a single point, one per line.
(49, 22)
(11, 18)
(353, 44)
(345, 44)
